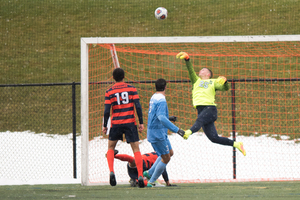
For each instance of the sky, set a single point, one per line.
(30, 158)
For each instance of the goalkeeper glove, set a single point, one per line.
(173, 118)
(183, 55)
(221, 80)
(187, 133)
(181, 132)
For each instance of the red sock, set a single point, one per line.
(139, 163)
(110, 159)
(124, 157)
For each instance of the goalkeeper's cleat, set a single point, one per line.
(112, 179)
(240, 147)
(146, 174)
(150, 184)
(180, 132)
(183, 55)
(187, 134)
(141, 182)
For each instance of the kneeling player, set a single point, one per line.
(148, 160)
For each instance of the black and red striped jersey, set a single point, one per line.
(122, 98)
(149, 159)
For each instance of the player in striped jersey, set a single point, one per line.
(121, 98)
(204, 91)
(148, 160)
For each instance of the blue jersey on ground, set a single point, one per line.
(158, 119)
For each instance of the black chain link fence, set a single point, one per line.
(33, 117)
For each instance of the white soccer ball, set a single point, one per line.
(161, 13)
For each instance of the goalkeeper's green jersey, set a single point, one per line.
(204, 91)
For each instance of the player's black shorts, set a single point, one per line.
(130, 131)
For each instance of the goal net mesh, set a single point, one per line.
(261, 109)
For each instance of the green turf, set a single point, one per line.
(243, 190)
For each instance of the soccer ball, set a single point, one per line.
(161, 13)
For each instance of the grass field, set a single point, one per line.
(40, 40)
(241, 190)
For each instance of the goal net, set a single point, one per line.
(261, 109)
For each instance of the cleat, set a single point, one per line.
(132, 182)
(240, 147)
(112, 179)
(141, 182)
(150, 184)
(171, 185)
(157, 184)
(146, 174)
(116, 152)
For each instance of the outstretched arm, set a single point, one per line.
(192, 74)
(162, 116)
(167, 123)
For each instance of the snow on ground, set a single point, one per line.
(30, 158)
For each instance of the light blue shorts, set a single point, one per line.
(162, 147)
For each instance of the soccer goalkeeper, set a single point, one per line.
(204, 91)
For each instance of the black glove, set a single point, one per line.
(181, 132)
(173, 118)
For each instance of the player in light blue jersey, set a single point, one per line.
(157, 133)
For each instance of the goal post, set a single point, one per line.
(262, 111)
(84, 112)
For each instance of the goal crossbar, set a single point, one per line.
(190, 39)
